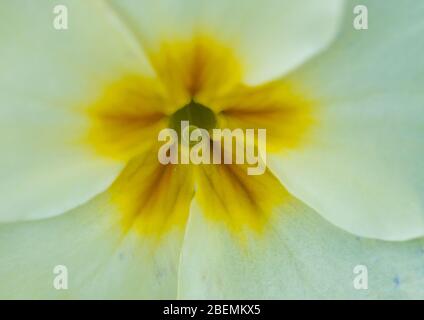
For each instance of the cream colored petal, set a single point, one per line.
(362, 165)
(299, 256)
(125, 243)
(48, 77)
(103, 259)
(270, 37)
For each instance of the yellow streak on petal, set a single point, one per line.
(244, 203)
(152, 197)
(276, 106)
(127, 117)
(199, 68)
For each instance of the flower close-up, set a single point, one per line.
(117, 180)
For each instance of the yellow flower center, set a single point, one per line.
(199, 80)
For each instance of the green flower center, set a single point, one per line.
(197, 114)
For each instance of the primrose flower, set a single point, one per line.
(82, 189)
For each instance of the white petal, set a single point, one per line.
(362, 166)
(300, 256)
(103, 261)
(271, 37)
(47, 78)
